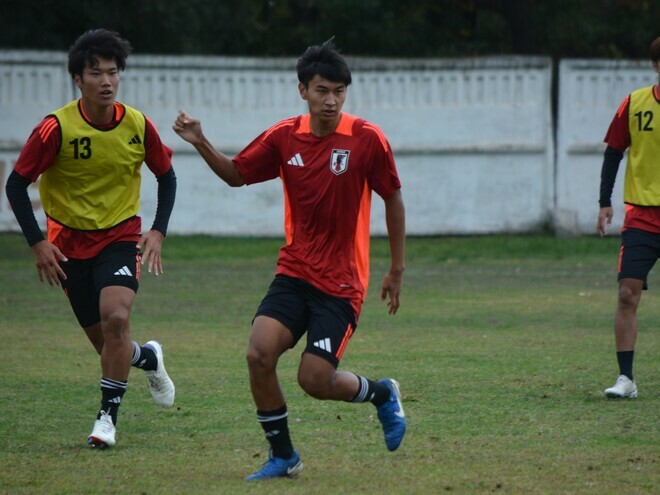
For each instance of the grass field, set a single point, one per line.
(502, 347)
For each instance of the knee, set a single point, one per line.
(259, 360)
(628, 297)
(115, 322)
(315, 385)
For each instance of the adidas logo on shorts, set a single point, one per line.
(124, 271)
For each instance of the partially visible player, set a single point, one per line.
(329, 163)
(636, 126)
(89, 155)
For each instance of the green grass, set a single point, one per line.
(502, 346)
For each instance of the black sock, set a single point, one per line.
(276, 426)
(370, 391)
(625, 359)
(111, 393)
(144, 357)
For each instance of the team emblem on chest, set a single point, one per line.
(339, 161)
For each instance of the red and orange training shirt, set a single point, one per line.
(327, 184)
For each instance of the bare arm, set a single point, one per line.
(395, 218)
(190, 130)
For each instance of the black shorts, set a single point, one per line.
(117, 265)
(639, 252)
(329, 321)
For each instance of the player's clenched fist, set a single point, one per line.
(187, 128)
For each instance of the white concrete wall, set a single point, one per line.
(468, 136)
(473, 138)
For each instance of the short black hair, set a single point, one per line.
(655, 50)
(323, 60)
(95, 44)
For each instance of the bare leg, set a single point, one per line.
(113, 336)
(115, 306)
(319, 379)
(268, 341)
(625, 321)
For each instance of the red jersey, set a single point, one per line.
(327, 184)
(40, 153)
(618, 137)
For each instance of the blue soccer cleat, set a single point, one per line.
(391, 415)
(276, 467)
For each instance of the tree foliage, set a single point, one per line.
(383, 28)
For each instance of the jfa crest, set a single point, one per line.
(339, 161)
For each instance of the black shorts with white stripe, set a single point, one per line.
(117, 265)
(329, 321)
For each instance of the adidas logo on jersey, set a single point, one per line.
(323, 344)
(296, 161)
(124, 271)
(136, 140)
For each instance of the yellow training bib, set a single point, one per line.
(94, 183)
(642, 182)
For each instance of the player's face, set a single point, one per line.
(324, 98)
(99, 84)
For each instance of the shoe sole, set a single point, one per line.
(97, 443)
(290, 473)
(614, 395)
(397, 390)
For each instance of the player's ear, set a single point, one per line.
(302, 90)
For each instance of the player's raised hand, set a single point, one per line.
(47, 257)
(187, 128)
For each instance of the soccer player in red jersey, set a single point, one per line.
(329, 163)
(88, 155)
(636, 126)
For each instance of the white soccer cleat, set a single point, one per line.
(624, 388)
(158, 381)
(103, 434)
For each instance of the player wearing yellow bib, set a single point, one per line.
(88, 156)
(636, 127)
(102, 182)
